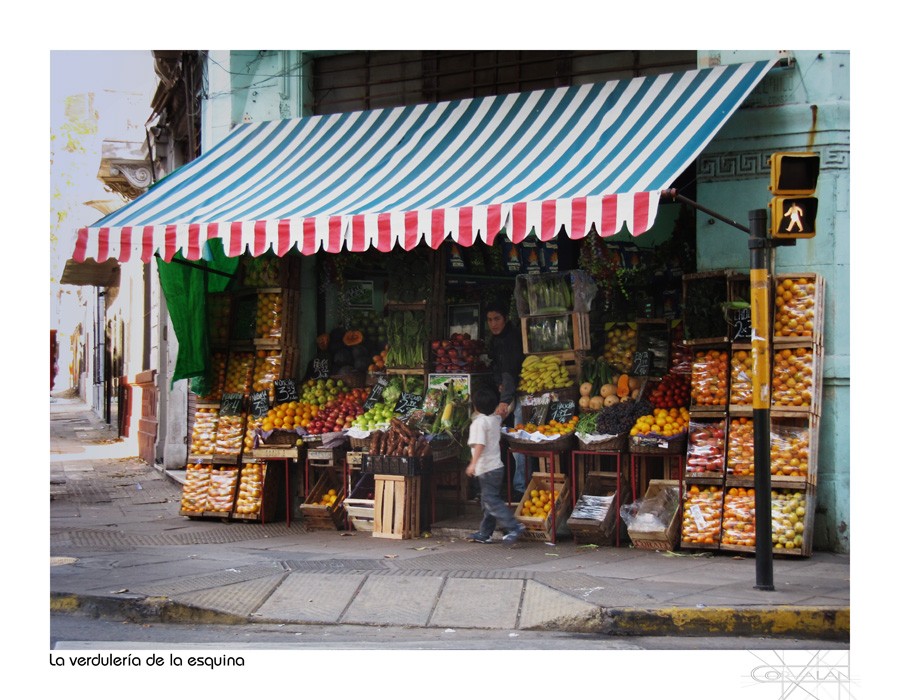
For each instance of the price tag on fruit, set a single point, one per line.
(259, 404)
(561, 411)
(407, 403)
(375, 394)
(231, 404)
(285, 391)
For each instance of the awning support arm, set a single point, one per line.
(673, 194)
(199, 267)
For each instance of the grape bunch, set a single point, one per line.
(615, 419)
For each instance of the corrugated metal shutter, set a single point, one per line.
(364, 80)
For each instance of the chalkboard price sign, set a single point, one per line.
(407, 403)
(561, 411)
(285, 391)
(375, 394)
(259, 404)
(539, 416)
(320, 368)
(641, 363)
(231, 404)
(742, 325)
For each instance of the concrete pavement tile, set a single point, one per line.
(397, 600)
(311, 597)
(542, 606)
(478, 603)
(238, 598)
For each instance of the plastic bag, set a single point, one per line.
(709, 378)
(739, 518)
(651, 513)
(203, 433)
(741, 378)
(701, 520)
(706, 447)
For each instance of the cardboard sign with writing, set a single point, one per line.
(561, 411)
(641, 363)
(375, 394)
(407, 403)
(742, 326)
(259, 404)
(231, 404)
(320, 368)
(285, 391)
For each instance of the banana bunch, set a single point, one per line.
(543, 373)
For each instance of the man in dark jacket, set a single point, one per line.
(506, 356)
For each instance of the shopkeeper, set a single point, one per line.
(506, 355)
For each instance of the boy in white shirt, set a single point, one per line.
(487, 465)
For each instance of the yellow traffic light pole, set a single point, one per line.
(762, 398)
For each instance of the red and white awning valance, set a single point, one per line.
(586, 156)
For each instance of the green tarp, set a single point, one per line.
(185, 285)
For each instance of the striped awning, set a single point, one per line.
(576, 157)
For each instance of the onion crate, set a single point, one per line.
(595, 517)
(653, 521)
(397, 505)
(318, 514)
(538, 527)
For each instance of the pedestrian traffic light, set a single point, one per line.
(793, 209)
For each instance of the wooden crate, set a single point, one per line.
(703, 294)
(326, 457)
(739, 522)
(665, 537)
(701, 514)
(397, 505)
(707, 447)
(575, 327)
(222, 491)
(709, 392)
(805, 305)
(287, 334)
(360, 504)
(275, 452)
(595, 521)
(539, 528)
(195, 489)
(323, 517)
(790, 437)
(807, 357)
(740, 389)
(654, 336)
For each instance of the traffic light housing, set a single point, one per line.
(793, 182)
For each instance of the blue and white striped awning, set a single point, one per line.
(576, 157)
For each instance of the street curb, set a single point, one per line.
(792, 622)
(795, 622)
(133, 609)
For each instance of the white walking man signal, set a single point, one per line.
(795, 213)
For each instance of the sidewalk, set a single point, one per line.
(119, 547)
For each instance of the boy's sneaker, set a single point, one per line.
(513, 537)
(478, 537)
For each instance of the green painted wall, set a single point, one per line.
(804, 107)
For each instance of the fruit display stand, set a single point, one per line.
(595, 517)
(653, 520)
(543, 526)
